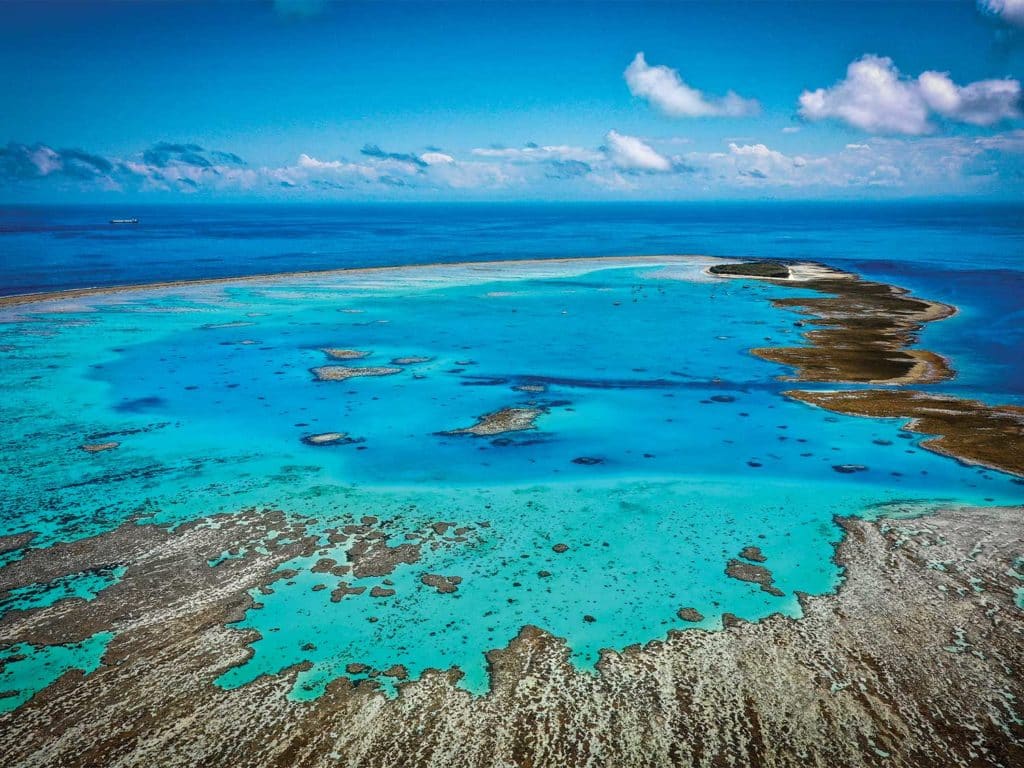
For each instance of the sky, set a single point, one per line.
(301, 100)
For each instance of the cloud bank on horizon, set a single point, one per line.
(622, 164)
(872, 130)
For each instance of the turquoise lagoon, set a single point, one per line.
(664, 448)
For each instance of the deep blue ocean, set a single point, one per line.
(967, 254)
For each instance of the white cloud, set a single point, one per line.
(663, 87)
(1010, 11)
(630, 153)
(46, 160)
(540, 154)
(980, 103)
(791, 129)
(748, 164)
(1012, 141)
(436, 158)
(305, 161)
(876, 98)
(873, 97)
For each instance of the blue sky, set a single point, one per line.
(444, 101)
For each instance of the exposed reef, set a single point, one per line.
(345, 372)
(972, 431)
(443, 584)
(755, 574)
(344, 354)
(329, 438)
(909, 664)
(861, 334)
(690, 614)
(100, 447)
(753, 554)
(500, 422)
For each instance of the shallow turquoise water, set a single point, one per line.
(692, 451)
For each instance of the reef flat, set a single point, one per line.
(862, 334)
(861, 330)
(914, 661)
(501, 421)
(639, 545)
(344, 354)
(992, 436)
(345, 372)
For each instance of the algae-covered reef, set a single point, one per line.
(970, 430)
(861, 332)
(501, 421)
(912, 660)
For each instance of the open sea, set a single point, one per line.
(662, 447)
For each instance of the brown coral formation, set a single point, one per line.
(752, 553)
(755, 574)
(861, 334)
(443, 584)
(326, 438)
(861, 331)
(99, 447)
(990, 435)
(344, 354)
(500, 422)
(345, 372)
(910, 665)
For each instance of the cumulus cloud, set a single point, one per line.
(342, 174)
(19, 162)
(435, 158)
(744, 163)
(185, 167)
(876, 98)
(984, 102)
(631, 153)
(1010, 11)
(873, 97)
(665, 89)
(22, 162)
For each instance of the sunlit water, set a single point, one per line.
(690, 453)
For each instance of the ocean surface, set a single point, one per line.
(968, 254)
(662, 448)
